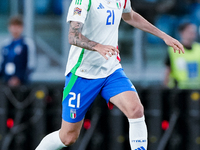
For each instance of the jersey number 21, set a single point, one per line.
(110, 18)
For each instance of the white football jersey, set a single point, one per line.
(101, 19)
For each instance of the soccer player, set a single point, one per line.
(94, 68)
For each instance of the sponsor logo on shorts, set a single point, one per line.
(140, 148)
(77, 11)
(73, 113)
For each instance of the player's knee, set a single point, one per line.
(136, 111)
(69, 139)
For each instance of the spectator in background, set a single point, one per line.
(17, 59)
(183, 71)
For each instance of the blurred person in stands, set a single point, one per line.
(17, 59)
(183, 71)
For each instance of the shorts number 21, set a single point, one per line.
(74, 97)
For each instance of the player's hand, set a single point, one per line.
(175, 44)
(106, 50)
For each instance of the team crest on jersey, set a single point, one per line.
(73, 113)
(77, 11)
(18, 50)
(119, 5)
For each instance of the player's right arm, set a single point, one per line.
(76, 38)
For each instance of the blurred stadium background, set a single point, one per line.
(30, 112)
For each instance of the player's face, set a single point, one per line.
(190, 33)
(15, 30)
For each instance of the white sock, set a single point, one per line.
(138, 134)
(51, 142)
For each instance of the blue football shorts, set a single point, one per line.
(79, 93)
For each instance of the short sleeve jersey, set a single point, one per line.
(101, 19)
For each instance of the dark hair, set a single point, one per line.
(16, 20)
(183, 26)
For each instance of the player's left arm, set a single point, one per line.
(136, 20)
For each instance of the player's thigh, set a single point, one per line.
(129, 103)
(70, 130)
